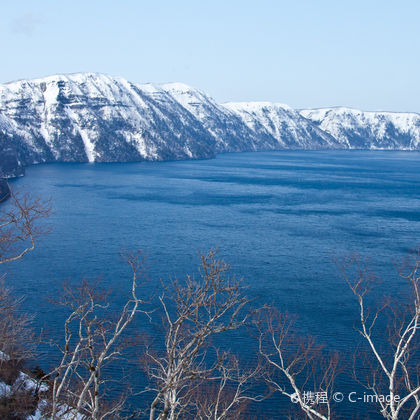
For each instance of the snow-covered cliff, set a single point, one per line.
(356, 129)
(89, 117)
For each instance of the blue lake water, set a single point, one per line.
(277, 217)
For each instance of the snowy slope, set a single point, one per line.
(93, 117)
(227, 127)
(368, 130)
(283, 123)
(89, 117)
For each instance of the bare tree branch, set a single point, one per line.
(19, 225)
(194, 312)
(92, 341)
(296, 367)
(393, 369)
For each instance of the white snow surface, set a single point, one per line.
(152, 119)
(281, 121)
(113, 99)
(381, 126)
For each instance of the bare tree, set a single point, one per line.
(296, 367)
(16, 335)
(17, 345)
(19, 231)
(228, 394)
(392, 369)
(92, 341)
(19, 225)
(194, 312)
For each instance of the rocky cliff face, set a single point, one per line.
(223, 123)
(280, 122)
(355, 129)
(89, 117)
(97, 118)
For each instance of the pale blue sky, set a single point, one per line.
(364, 54)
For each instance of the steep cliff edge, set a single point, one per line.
(89, 117)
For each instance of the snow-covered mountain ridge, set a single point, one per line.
(89, 117)
(357, 129)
